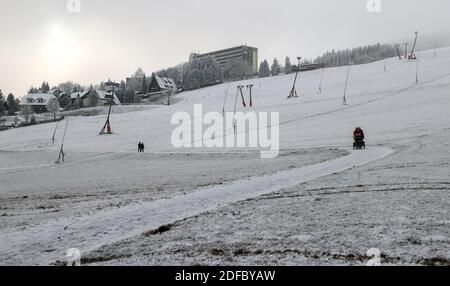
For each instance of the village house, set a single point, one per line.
(160, 89)
(104, 98)
(38, 101)
(92, 98)
(162, 84)
(85, 98)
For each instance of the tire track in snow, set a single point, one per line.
(47, 243)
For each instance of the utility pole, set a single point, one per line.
(321, 79)
(170, 93)
(397, 46)
(293, 92)
(54, 133)
(412, 56)
(61, 150)
(345, 89)
(107, 125)
(406, 51)
(240, 87)
(250, 86)
(417, 71)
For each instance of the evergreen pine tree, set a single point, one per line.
(144, 84)
(287, 66)
(139, 73)
(264, 70)
(121, 91)
(2, 103)
(12, 104)
(33, 90)
(45, 87)
(275, 69)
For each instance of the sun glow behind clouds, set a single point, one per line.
(61, 50)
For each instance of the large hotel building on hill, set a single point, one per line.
(244, 56)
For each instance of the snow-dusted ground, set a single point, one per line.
(92, 231)
(398, 203)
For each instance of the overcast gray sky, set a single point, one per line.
(40, 40)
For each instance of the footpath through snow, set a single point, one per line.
(47, 243)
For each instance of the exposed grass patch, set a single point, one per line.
(159, 230)
(218, 252)
(435, 261)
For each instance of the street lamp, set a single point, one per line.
(299, 59)
(293, 92)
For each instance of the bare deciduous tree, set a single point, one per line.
(53, 106)
(27, 111)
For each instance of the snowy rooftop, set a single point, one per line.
(101, 94)
(36, 99)
(79, 94)
(166, 83)
(107, 96)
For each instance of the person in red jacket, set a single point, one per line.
(358, 139)
(358, 133)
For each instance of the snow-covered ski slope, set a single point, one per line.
(88, 233)
(389, 106)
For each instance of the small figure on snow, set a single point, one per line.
(358, 137)
(141, 147)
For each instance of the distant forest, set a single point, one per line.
(360, 55)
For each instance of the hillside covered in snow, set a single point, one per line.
(319, 202)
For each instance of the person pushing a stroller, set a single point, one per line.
(358, 138)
